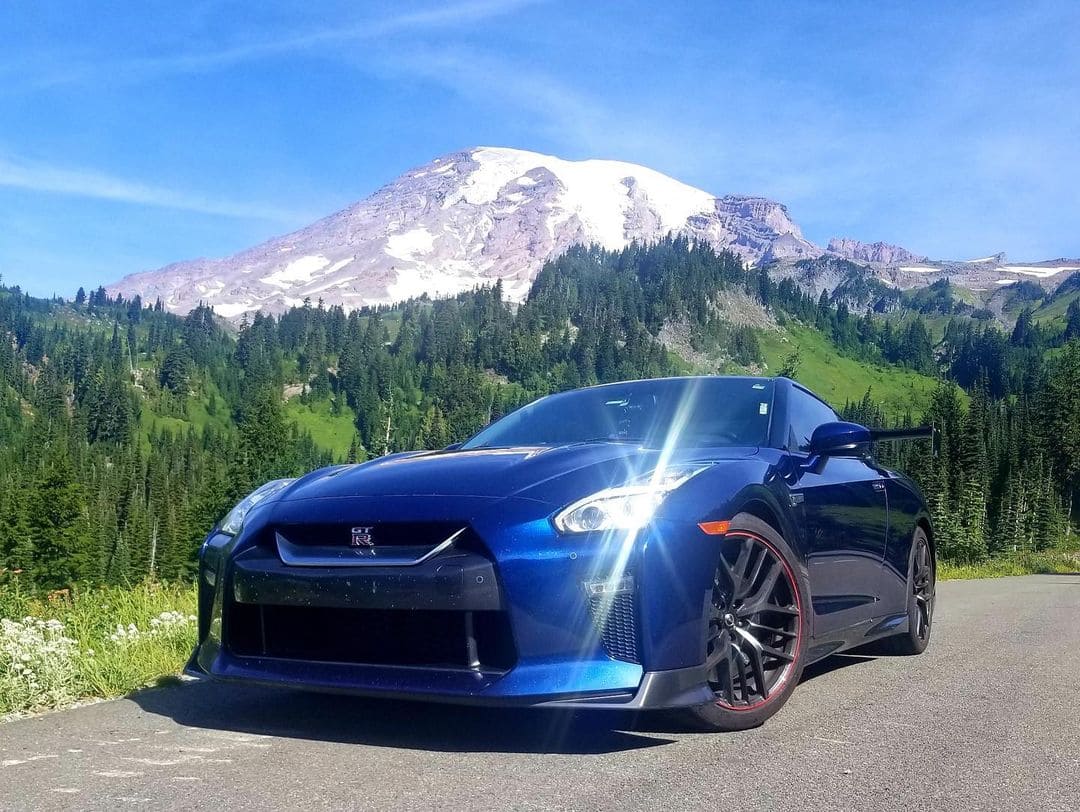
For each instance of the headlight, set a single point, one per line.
(234, 521)
(629, 507)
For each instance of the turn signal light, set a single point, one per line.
(715, 528)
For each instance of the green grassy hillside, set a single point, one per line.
(333, 432)
(839, 379)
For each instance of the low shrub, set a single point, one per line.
(58, 648)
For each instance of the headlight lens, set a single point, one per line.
(234, 521)
(629, 507)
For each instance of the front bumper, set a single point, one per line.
(656, 690)
(562, 653)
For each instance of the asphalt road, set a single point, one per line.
(987, 718)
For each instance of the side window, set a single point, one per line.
(806, 414)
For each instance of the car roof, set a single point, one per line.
(774, 378)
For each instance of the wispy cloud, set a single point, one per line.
(565, 113)
(574, 119)
(76, 182)
(272, 45)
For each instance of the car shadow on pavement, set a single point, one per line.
(833, 663)
(393, 723)
(418, 725)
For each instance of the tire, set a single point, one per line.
(748, 691)
(921, 585)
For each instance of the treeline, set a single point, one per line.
(1007, 470)
(127, 431)
(87, 491)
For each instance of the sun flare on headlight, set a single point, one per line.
(629, 507)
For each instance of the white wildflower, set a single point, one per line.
(37, 666)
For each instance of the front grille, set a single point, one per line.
(434, 639)
(615, 618)
(363, 545)
(384, 534)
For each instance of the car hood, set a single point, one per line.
(549, 474)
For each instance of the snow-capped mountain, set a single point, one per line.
(489, 213)
(466, 219)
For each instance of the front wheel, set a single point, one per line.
(756, 628)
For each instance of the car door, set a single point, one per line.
(842, 507)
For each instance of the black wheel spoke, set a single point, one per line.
(732, 655)
(758, 608)
(730, 573)
(721, 651)
(753, 652)
(766, 587)
(753, 579)
(783, 656)
(739, 569)
(757, 627)
(742, 676)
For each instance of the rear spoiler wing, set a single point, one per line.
(914, 433)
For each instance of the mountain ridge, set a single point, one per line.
(473, 216)
(466, 219)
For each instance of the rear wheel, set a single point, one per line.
(921, 592)
(755, 630)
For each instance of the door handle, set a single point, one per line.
(878, 485)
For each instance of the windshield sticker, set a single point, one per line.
(763, 408)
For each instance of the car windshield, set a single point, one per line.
(674, 412)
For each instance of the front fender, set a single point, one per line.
(679, 559)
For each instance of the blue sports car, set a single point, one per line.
(683, 544)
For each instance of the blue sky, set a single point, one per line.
(161, 131)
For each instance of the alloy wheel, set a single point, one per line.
(922, 584)
(755, 623)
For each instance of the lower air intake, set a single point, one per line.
(615, 617)
(432, 639)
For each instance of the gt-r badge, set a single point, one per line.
(361, 537)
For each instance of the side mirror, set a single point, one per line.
(839, 440)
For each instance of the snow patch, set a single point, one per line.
(919, 268)
(210, 288)
(1040, 271)
(1006, 281)
(230, 309)
(337, 266)
(296, 272)
(410, 245)
(448, 278)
